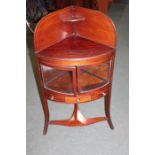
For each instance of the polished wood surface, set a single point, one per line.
(74, 21)
(75, 48)
(77, 119)
(75, 52)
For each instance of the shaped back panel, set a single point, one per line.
(97, 27)
(86, 23)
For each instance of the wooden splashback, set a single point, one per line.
(74, 21)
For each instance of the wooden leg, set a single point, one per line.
(107, 109)
(46, 111)
(44, 99)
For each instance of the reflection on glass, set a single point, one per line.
(94, 76)
(57, 80)
(89, 78)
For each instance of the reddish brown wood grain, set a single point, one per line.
(94, 26)
(74, 43)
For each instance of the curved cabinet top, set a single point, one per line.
(74, 21)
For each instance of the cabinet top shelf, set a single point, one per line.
(75, 48)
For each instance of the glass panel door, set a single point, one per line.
(92, 77)
(57, 80)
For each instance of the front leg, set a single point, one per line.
(107, 109)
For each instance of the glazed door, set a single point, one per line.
(59, 80)
(93, 77)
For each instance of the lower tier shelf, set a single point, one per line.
(71, 123)
(77, 119)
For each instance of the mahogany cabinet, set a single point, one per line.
(75, 51)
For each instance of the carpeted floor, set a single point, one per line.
(96, 139)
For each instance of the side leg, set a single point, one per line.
(43, 98)
(107, 109)
(46, 112)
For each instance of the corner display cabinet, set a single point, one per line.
(75, 52)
